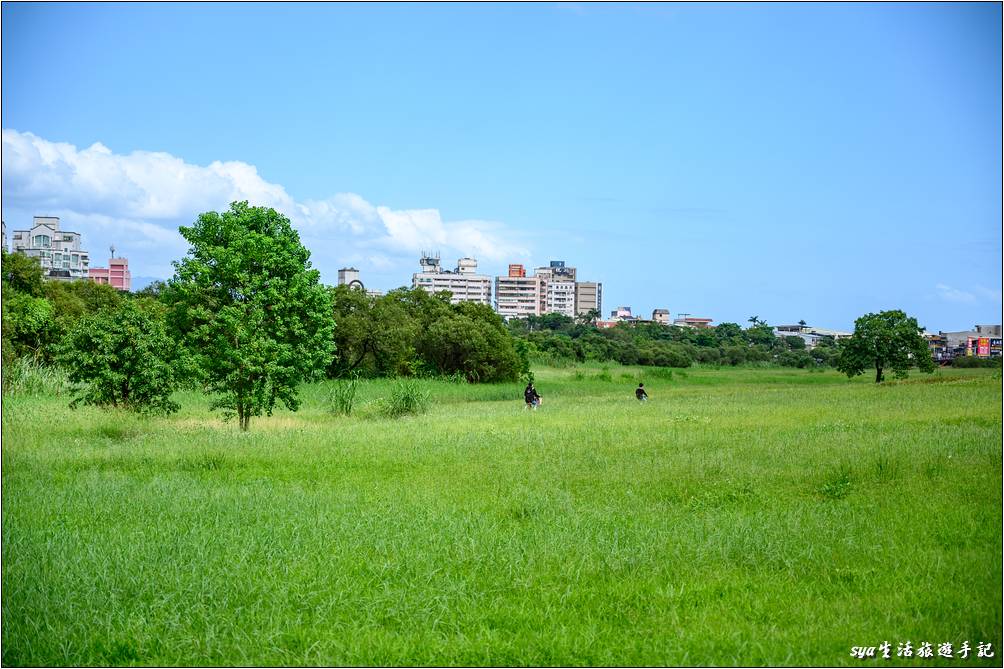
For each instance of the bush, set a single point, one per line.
(406, 398)
(971, 361)
(799, 359)
(342, 397)
(123, 359)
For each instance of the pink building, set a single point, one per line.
(116, 274)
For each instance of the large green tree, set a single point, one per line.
(250, 310)
(886, 340)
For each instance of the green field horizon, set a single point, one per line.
(741, 517)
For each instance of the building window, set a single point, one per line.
(42, 241)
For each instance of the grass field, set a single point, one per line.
(741, 516)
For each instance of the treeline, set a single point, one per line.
(555, 337)
(244, 319)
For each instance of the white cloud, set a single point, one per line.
(138, 200)
(950, 294)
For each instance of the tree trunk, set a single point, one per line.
(878, 374)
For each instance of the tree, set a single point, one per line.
(588, 317)
(21, 273)
(27, 315)
(250, 310)
(728, 332)
(123, 356)
(473, 341)
(889, 339)
(794, 343)
(754, 320)
(760, 334)
(373, 336)
(802, 323)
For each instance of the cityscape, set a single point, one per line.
(551, 289)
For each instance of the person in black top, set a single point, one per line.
(531, 397)
(640, 393)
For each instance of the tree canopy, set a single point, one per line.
(886, 340)
(249, 309)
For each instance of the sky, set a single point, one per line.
(785, 161)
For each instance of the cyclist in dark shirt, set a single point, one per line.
(640, 393)
(531, 397)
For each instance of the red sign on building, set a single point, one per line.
(983, 347)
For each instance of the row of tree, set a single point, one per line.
(629, 343)
(246, 318)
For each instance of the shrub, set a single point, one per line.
(406, 398)
(970, 361)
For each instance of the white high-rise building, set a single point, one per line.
(463, 283)
(557, 288)
(58, 251)
(349, 276)
(560, 297)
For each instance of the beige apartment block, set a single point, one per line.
(464, 283)
(588, 296)
(518, 295)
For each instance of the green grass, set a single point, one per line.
(743, 516)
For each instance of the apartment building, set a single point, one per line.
(557, 288)
(588, 297)
(464, 283)
(661, 316)
(518, 295)
(58, 251)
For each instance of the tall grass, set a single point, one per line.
(342, 396)
(406, 398)
(27, 376)
(741, 517)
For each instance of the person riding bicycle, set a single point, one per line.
(531, 397)
(640, 393)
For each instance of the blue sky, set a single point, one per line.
(810, 161)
